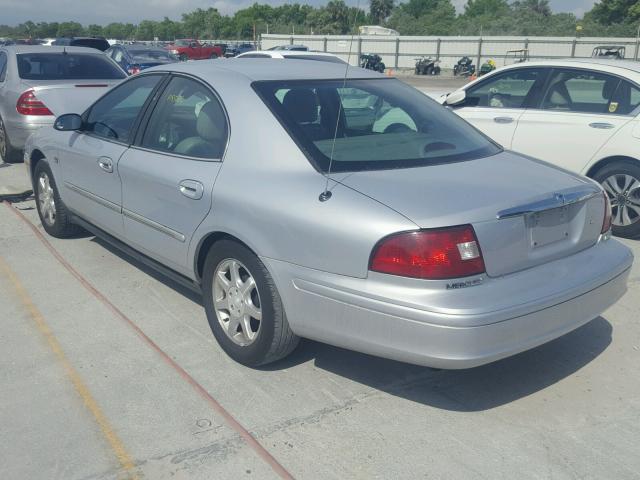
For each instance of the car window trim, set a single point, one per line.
(144, 121)
(525, 106)
(3, 71)
(633, 113)
(136, 122)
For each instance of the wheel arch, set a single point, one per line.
(600, 164)
(206, 243)
(34, 158)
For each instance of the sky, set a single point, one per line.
(102, 12)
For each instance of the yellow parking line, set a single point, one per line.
(112, 438)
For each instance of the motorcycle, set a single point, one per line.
(371, 61)
(427, 66)
(464, 67)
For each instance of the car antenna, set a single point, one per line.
(326, 194)
(64, 50)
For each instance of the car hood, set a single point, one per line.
(461, 192)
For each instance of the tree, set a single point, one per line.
(486, 8)
(69, 29)
(379, 10)
(608, 12)
(536, 7)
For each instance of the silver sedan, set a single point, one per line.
(351, 209)
(38, 82)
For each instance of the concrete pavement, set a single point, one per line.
(569, 409)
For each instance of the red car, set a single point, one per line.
(190, 49)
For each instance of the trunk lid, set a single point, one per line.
(69, 96)
(525, 212)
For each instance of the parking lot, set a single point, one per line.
(110, 371)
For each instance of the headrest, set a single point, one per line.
(211, 124)
(302, 105)
(609, 88)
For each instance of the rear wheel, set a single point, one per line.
(7, 152)
(243, 306)
(53, 213)
(621, 181)
(183, 57)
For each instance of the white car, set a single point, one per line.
(582, 115)
(293, 55)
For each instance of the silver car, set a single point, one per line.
(350, 210)
(38, 82)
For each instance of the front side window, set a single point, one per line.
(580, 91)
(67, 66)
(370, 124)
(113, 116)
(187, 120)
(511, 89)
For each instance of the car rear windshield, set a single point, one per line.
(370, 124)
(67, 66)
(147, 55)
(97, 43)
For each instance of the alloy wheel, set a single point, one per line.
(624, 193)
(46, 199)
(237, 302)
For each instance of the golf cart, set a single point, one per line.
(615, 52)
(516, 56)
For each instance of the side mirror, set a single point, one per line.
(68, 122)
(456, 98)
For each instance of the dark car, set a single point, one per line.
(238, 48)
(135, 58)
(99, 43)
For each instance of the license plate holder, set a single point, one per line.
(549, 226)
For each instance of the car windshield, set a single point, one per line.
(67, 66)
(378, 124)
(146, 55)
(182, 43)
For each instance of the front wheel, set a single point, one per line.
(183, 57)
(621, 181)
(243, 306)
(53, 213)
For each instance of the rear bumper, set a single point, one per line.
(456, 339)
(18, 132)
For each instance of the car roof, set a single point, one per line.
(256, 69)
(288, 53)
(627, 68)
(18, 49)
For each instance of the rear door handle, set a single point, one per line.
(503, 119)
(191, 189)
(602, 125)
(106, 164)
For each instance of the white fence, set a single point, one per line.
(401, 52)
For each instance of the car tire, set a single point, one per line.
(614, 178)
(183, 57)
(227, 308)
(53, 213)
(8, 154)
(213, 56)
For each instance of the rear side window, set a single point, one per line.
(113, 116)
(371, 124)
(67, 66)
(3, 66)
(187, 120)
(150, 55)
(581, 91)
(626, 99)
(507, 90)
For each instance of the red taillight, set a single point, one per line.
(134, 69)
(430, 254)
(606, 221)
(28, 104)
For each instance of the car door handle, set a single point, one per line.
(503, 119)
(106, 164)
(602, 125)
(191, 189)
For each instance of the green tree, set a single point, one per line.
(486, 8)
(69, 29)
(608, 12)
(380, 10)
